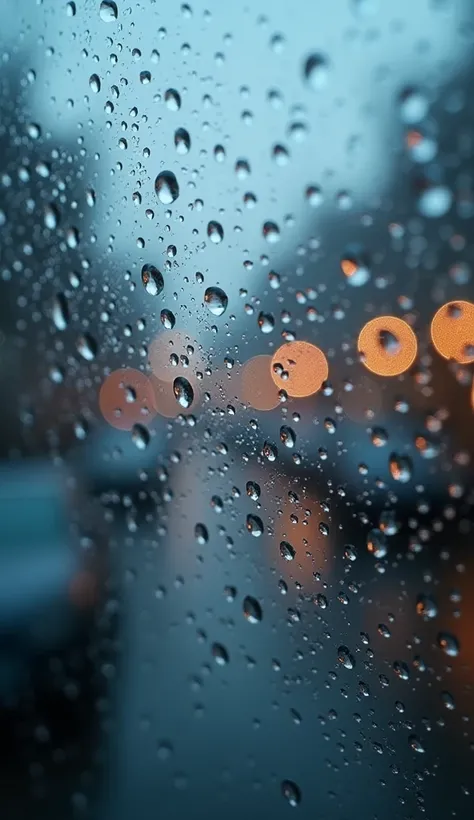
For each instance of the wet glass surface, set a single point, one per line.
(237, 341)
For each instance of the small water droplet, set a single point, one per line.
(182, 141)
(215, 232)
(287, 551)
(94, 83)
(167, 319)
(448, 643)
(140, 436)
(60, 312)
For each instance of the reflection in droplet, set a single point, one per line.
(452, 331)
(299, 368)
(166, 187)
(252, 610)
(216, 300)
(152, 280)
(86, 346)
(387, 345)
(183, 392)
(182, 140)
(215, 232)
(60, 312)
(291, 792)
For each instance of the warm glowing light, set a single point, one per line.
(126, 398)
(452, 331)
(257, 386)
(387, 346)
(299, 368)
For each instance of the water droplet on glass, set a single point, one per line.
(401, 468)
(377, 543)
(108, 11)
(140, 436)
(291, 792)
(215, 232)
(94, 83)
(316, 70)
(253, 490)
(183, 392)
(448, 643)
(60, 312)
(389, 342)
(152, 280)
(252, 610)
(172, 100)
(254, 525)
(182, 141)
(86, 346)
(271, 232)
(167, 319)
(426, 607)
(345, 658)
(287, 551)
(216, 300)
(166, 187)
(201, 534)
(220, 654)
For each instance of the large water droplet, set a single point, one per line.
(448, 643)
(108, 11)
(166, 187)
(252, 610)
(216, 300)
(215, 232)
(152, 280)
(291, 792)
(316, 70)
(182, 141)
(254, 525)
(183, 392)
(140, 436)
(287, 551)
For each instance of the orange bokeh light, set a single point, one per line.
(126, 398)
(452, 331)
(299, 368)
(257, 386)
(387, 359)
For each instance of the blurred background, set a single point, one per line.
(236, 440)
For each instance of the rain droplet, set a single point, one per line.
(389, 342)
(254, 525)
(60, 312)
(201, 534)
(152, 280)
(287, 551)
(182, 141)
(215, 232)
(216, 300)
(345, 658)
(416, 744)
(448, 643)
(252, 610)
(377, 543)
(401, 468)
(166, 187)
(271, 232)
(108, 11)
(183, 392)
(94, 83)
(167, 319)
(426, 607)
(172, 100)
(291, 792)
(220, 654)
(86, 346)
(253, 490)
(316, 70)
(140, 436)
